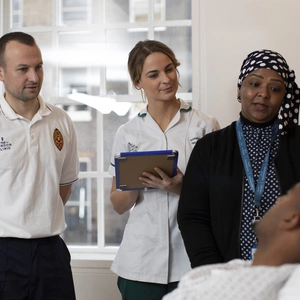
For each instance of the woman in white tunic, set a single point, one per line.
(152, 257)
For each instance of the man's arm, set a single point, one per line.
(65, 192)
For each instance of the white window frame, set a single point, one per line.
(151, 9)
(17, 13)
(74, 8)
(101, 252)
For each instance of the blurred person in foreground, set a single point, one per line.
(272, 274)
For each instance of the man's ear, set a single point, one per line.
(290, 221)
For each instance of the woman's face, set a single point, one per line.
(261, 94)
(159, 78)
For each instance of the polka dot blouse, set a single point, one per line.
(257, 138)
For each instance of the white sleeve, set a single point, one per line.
(70, 169)
(291, 289)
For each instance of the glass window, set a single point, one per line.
(138, 11)
(117, 11)
(31, 13)
(81, 211)
(178, 10)
(75, 12)
(85, 46)
(119, 42)
(179, 40)
(16, 12)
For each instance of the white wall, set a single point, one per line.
(227, 32)
(94, 281)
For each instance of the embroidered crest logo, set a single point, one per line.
(58, 139)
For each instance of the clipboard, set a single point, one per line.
(129, 166)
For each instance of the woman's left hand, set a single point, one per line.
(164, 182)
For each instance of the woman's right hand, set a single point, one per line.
(163, 182)
(122, 201)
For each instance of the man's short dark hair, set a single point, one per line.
(18, 36)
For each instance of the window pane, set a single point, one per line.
(87, 139)
(79, 65)
(44, 41)
(111, 122)
(159, 10)
(178, 9)
(81, 211)
(179, 40)
(119, 44)
(75, 17)
(75, 12)
(116, 11)
(16, 21)
(32, 13)
(97, 12)
(126, 11)
(114, 223)
(138, 11)
(15, 4)
(74, 3)
(80, 57)
(81, 12)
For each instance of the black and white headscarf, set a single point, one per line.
(267, 59)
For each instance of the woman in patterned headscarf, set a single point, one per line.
(234, 175)
(270, 60)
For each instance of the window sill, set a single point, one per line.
(90, 264)
(92, 256)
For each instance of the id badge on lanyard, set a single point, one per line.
(257, 189)
(257, 218)
(252, 251)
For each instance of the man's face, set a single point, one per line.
(285, 205)
(22, 74)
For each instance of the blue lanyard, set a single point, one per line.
(259, 189)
